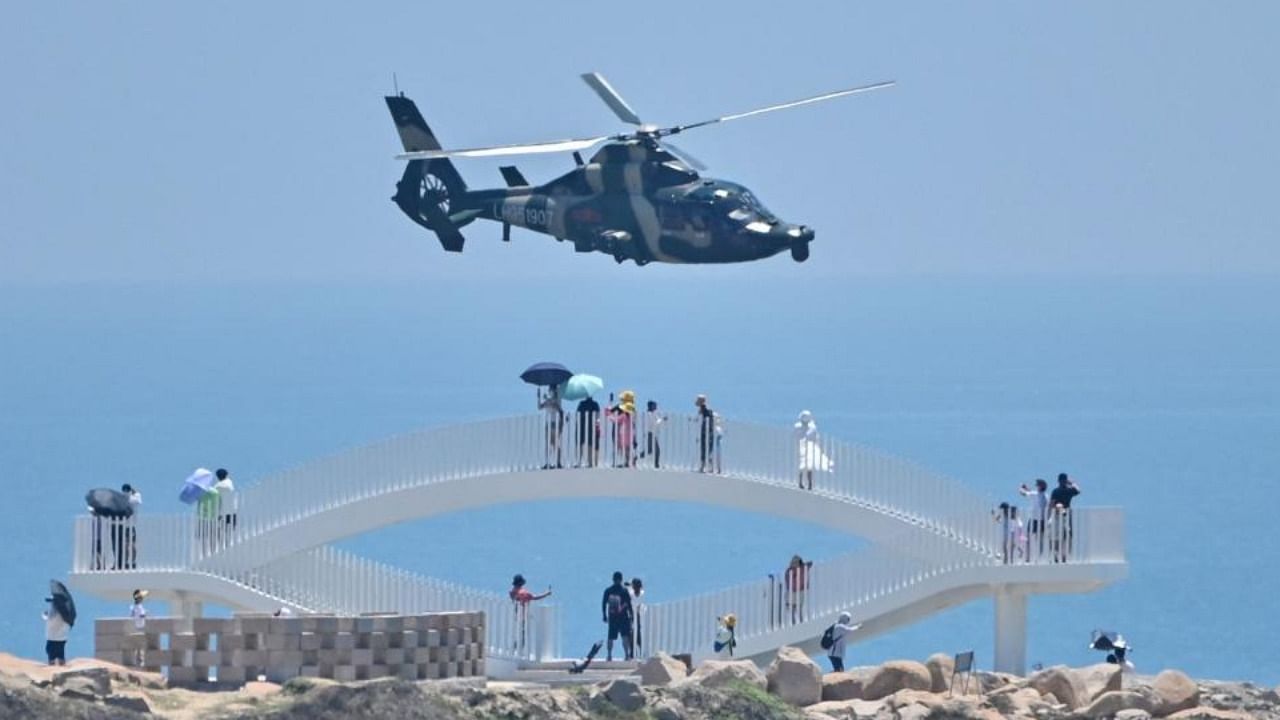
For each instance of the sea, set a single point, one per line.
(1160, 395)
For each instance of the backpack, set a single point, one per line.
(828, 638)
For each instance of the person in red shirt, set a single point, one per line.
(520, 599)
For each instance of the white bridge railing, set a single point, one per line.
(854, 581)
(752, 453)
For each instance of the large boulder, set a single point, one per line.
(662, 669)
(847, 708)
(1013, 700)
(96, 679)
(625, 693)
(941, 666)
(794, 678)
(848, 685)
(1208, 713)
(897, 675)
(1174, 692)
(719, 673)
(1101, 678)
(135, 703)
(1108, 704)
(1063, 684)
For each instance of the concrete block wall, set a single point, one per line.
(242, 648)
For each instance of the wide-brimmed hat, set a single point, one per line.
(627, 396)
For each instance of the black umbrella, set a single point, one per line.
(105, 502)
(546, 374)
(63, 604)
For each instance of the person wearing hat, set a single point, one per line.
(706, 432)
(520, 599)
(139, 614)
(624, 415)
(726, 638)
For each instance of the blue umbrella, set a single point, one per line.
(581, 387)
(547, 374)
(200, 482)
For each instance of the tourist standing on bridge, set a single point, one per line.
(1060, 502)
(616, 608)
(653, 421)
(1038, 515)
(130, 532)
(227, 501)
(796, 583)
(706, 432)
(624, 416)
(810, 450)
(550, 404)
(588, 432)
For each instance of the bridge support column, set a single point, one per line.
(184, 606)
(1011, 631)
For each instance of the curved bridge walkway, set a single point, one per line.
(935, 543)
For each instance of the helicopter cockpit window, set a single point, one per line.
(754, 204)
(740, 215)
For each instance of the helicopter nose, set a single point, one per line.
(800, 233)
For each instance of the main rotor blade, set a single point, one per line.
(684, 156)
(500, 150)
(611, 98)
(783, 106)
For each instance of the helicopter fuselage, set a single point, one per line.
(638, 202)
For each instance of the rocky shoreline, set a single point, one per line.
(791, 688)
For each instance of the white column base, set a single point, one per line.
(1011, 631)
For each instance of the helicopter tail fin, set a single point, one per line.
(426, 189)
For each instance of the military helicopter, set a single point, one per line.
(638, 198)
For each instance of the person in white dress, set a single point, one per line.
(810, 450)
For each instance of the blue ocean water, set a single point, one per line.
(1159, 395)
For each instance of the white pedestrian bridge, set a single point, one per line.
(934, 543)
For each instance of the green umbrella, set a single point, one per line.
(581, 387)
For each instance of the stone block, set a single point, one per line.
(281, 674)
(229, 642)
(432, 622)
(284, 642)
(111, 656)
(344, 641)
(405, 672)
(286, 626)
(165, 658)
(417, 655)
(251, 642)
(183, 676)
(108, 643)
(433, 638)
(254, 625)
(310, 657)
(344, 673)
(249, 658)
(135, 641)
(410, 639)
(375, 672)
(362, 657)
(346, 624)
(206, 626)
(364, 624)
(393, 624)
(112, 626)
(379, 641)
(292, 658)
(320, 623)
(453, 636)
(477, 668)
(393, 656)
(310, 641)
(161, 625)
(205, 658)
(311, 671)
(230, 674)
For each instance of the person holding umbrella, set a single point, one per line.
(59, 616)
(550, 376)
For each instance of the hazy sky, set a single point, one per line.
(189, 141)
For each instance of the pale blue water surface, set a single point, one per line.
(1161, 396)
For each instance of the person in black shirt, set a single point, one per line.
(618, 613)
(1060, 504)
(706, 432)
(588, 432)
(1065, 491)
